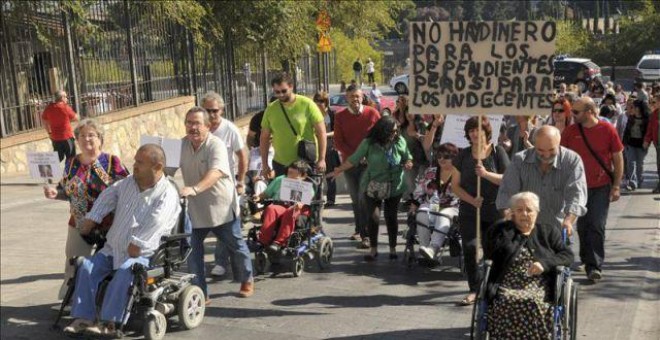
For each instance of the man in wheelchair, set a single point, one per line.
(279, 220)
(146, 207)
(520, 285)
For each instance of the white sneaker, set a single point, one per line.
(218, 270)
(427, 252)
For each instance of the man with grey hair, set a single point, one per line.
(600, 148)
(554, 173)
(212, 199)
(57, 118)
(228, 133)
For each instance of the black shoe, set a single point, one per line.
(370, 258)
(657, 189)
(595, 275)
(329, 204)
(393, 256)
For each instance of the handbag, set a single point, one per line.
(378, 190)
(306, 148)
(593, 153)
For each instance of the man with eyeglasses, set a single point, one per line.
(352, 125)
(598, 144)
(57, 118)
(212, 200)
(288, 114)
(236, 151)
(553, 172)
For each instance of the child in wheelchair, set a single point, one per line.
(279, 218)
(433, 207)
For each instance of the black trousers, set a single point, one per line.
(467, 225)
(64, 148)
(372, 215)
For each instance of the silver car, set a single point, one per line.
(648, 68)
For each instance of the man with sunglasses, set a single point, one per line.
(288, 120)
(598, 144)
(554, 173)
(236, 151)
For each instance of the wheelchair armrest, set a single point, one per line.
(559, 269)
(172, 238)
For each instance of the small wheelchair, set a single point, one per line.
(452, 243)
(158, 291)
(307, 242)
(565, 303)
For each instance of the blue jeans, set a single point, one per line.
(90, 275)
(230, 234)
(591, 227)
(352, 177)
(635, 164)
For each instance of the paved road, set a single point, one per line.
(352, 300)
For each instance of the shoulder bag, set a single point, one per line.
(306, 148)
(376, 189)
(593, 153)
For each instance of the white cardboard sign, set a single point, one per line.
(454, 129)
(43, 165)
(172, 148)
(296, 191)
(255, 159)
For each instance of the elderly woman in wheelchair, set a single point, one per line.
(519, 287)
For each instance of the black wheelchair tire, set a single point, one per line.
(191, 300)
(573, 311)
(298, 266)
(475, 330)
(155, 326)
(260, 262)
(325, 250)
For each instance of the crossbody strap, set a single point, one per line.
(287, 119)
(593, 153)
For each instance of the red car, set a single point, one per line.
(387, 104)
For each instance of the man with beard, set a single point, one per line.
(288, 120)
(555, 173)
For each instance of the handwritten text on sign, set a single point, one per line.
(484, 67)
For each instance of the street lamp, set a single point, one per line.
(615, 17)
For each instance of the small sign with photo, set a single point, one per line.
(255, 159)
(172, 148)
(44, 165)
(296, 191)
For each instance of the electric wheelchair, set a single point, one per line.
(308, 241)
(159, 291)
(452, 243)
(565, 305)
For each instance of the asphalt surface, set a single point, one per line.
(351, 300)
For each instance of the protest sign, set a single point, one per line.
(172, 148)
(454, 130)
(255, 159)
(44, 165)
(296, 191)
(478, 68)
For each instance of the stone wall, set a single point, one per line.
(122, 133)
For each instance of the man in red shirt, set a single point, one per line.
(57, 118)
(351, 127)
(651, 137)
(603, 181)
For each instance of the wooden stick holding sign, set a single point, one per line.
(479, 162)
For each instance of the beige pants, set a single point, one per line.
(75, 246)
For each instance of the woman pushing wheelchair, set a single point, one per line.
(520, 285)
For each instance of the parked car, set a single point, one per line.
(387, 105)
(648, 68)
(578, 71)
(400, 84)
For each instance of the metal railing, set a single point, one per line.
(129, 57)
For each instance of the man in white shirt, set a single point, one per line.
(146, 207)
(236, 150)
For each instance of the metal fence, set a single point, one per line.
(129, 56)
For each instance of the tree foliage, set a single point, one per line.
(348, 50)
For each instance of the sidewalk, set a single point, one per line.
(353, 299)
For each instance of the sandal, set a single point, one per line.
(469, 300)
(355, 237)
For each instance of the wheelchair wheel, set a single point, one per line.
(325, 249)
(408, 257)
(298, 266)
(260, 262)
(571, 331)
(191, 307)
(479, 327)
(155, 326)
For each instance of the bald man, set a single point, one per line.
(554, 173)
(598, 144)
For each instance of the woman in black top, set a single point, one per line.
(331, 155)
(633, 140)
(471, 165)
(521, 281)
